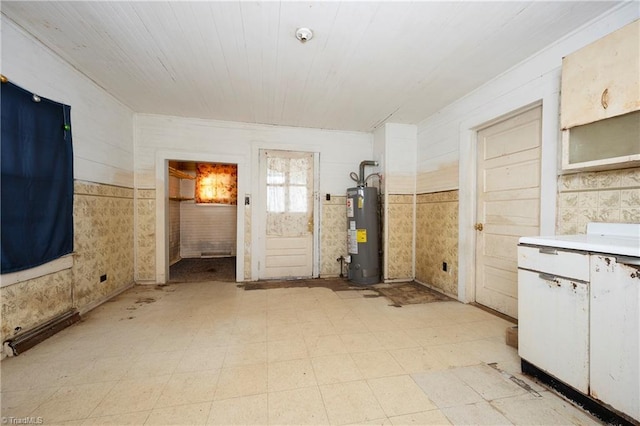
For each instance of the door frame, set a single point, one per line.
(162, 206)
(259, 217)
(504, 108)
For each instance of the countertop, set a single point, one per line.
(607, 244)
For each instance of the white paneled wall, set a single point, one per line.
(207, 230)
(400, 168)
(447, 140)
(536, 78)
(340, 151)
(159, 138)
(102, 127)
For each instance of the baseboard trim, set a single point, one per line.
(25, 341)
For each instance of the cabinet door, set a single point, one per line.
(615, 333)
(601, 80)
(553, 326)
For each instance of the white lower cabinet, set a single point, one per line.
(584, 332)
(615, 333)
(553, 326)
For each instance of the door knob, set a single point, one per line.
(478, 227)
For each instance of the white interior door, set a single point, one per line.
(287, 180)
(508, 205)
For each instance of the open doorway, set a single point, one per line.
(202, 221)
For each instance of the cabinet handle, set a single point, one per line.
(547, 250)
(604, 98)
(547, 277)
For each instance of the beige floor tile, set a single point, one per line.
(319, 328)
(284, 350)
(163, 359)
(284, 316)
(488, 382)
(247, 410)
(293, 374)
(190, 414)
(416, 360)
(431, 336)
(242, 336)
(246, 354)
(453, 355)
(375, 422)
(445, 389)
(102, 370)
(360, 342)
(73, 402)
(283, 331)
(377, 364)
(210, 358)
(311, 314)
(491, 350)
(297, 407)
(349, 324)
(400, 395)
(38, 375)
(532, 410)
(396, 339)
(189, 388)
(352, 402)
(23, 403)
(335, 369)
(154, 364)
(132, 419)
(432, 417)
(479, 413)
(350, 294)
(242, 381)
(325, 345)
(128, 396)
(573, 414)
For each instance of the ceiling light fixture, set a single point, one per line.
(304, 34)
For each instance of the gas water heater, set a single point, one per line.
(363, 231)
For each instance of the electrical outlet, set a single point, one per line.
(103, 278)
(445, 267)
(328, 197)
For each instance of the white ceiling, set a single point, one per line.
(240, 61)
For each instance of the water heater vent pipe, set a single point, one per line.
(362, 166)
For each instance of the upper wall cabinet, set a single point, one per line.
(600, 103)
(602, 80)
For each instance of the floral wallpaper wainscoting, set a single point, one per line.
(28, 304)
(333, 235)
(103, 222)
(437, 240)
(400, 245)
(103, 248)
(145, 235)
(607, 196)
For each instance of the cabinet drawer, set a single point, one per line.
(555, 262)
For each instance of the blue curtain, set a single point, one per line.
(37, 179)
